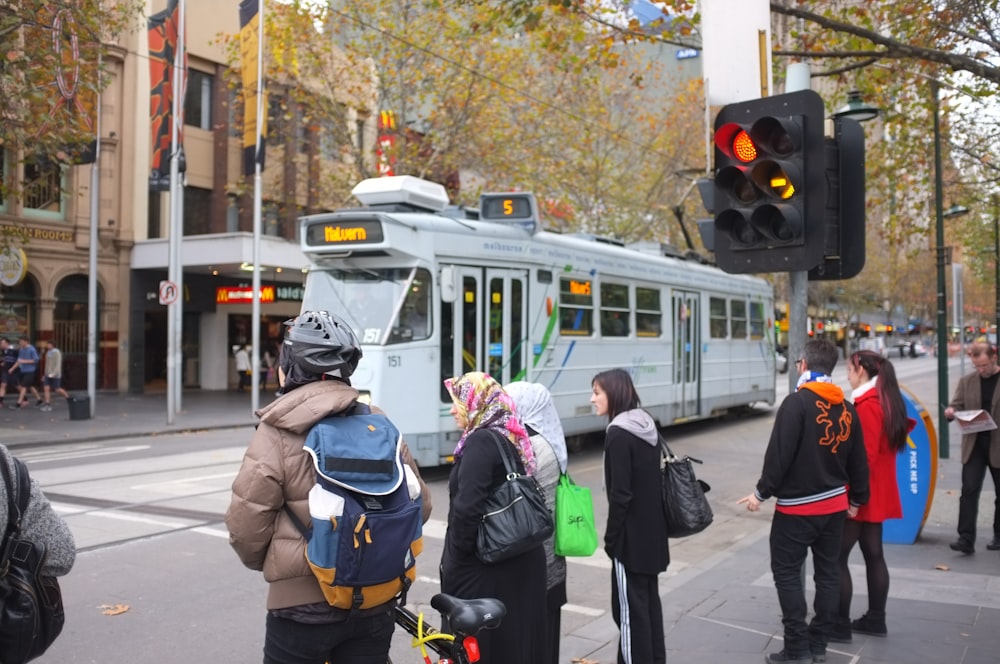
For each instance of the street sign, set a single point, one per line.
(168, 292)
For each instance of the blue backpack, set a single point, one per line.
(366, 510)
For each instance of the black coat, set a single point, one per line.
(518, 582)
(636, 532)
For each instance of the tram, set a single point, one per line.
(434, 291)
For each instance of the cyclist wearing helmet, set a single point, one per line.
(316, 360)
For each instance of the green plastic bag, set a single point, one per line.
(575, 532)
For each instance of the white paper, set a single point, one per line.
(974, 421)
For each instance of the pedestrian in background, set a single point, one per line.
(882, 414)
(980, 451)
(25, 367)
(317, 358)
(8, 356)
(243, 367)
(52, 380)
(815, 466)
(537, 413)
(486, 415)
(635, 536)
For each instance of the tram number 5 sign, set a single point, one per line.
(168, 292)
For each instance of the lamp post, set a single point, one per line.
(856, 108)
(944, 447)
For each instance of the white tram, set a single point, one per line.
(435, 291)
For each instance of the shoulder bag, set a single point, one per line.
(516, 518)
(684, 502)
(31, 607)
(576, 534)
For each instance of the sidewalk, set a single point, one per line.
(125, 415)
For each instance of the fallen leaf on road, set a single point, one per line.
(584, 660)
(942, 567)
(113, 610)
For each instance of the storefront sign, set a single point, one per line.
(31, 233)
(242, 294)
(13, 266)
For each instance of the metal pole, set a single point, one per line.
(996, 255)
(95, 212)
(797, 78)
(257, 204)
(944, 448)
(958, 290)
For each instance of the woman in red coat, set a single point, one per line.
(885, 425)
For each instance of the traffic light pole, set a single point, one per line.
(797, 78)
(944, 446)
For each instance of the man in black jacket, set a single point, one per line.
(815, 465)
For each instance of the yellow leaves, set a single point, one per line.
(113, 609)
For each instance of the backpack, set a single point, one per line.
(31, 607)
(366, 510)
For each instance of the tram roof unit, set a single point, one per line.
(400, 224)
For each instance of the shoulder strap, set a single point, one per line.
(13, 511)
(301, 527)
(504, 446)
(23, 489)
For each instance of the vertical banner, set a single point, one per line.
(163, 33)
(250, 52)
(73, 78)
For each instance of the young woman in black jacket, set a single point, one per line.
(635, 537)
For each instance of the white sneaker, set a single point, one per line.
(46, 408)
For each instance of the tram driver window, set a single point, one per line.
(414, 315)
(576, 307)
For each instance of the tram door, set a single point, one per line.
(490, 322)
(687, 344)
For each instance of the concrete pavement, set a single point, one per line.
(718, 598)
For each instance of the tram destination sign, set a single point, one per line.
(337, 232)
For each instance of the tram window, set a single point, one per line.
(614, 310)
(414, 319)
(576, 307)
(756, 320)
(545, 276)
(648, 315)
(718, 322)
(739, 309)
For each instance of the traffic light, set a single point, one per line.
(844, 252)
(770, 196)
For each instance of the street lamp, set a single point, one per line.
(944, 448)
(856, 108)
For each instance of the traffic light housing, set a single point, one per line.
(844, 253)
(770, 186)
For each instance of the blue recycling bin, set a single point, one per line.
(916, 470)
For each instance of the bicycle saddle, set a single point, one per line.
(468, 616)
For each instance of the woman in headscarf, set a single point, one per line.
(486, 415)
(541, 420)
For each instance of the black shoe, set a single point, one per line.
(818, 657)
(869, 625)
(783, 656)
(964, 546)
(994, 544)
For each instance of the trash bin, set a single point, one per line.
(79, 407)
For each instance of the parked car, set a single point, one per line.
(909, 349)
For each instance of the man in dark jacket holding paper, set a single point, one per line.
(816, 468)
(980, 449)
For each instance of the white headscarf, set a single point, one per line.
(536, 410)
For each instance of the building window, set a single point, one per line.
(576, 307)
(739, 309)
(198, 100)
(276, 124)
(154, 221)
(718, 320)
(648, 315)
(42, 189)
(614, 310)
(232, 215)
(197, 211)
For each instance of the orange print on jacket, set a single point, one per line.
(843, 426)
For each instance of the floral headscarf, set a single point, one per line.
(487, 406)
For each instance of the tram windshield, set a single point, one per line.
(383, 306)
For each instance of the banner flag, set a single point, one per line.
(251, 13)
(163, 36)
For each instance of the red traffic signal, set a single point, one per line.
(769, 188)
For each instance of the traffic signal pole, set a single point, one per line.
(797, 78)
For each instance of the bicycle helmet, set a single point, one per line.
(318, 343)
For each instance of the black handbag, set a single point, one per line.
(31, 607)
(684, 502)
(516, 518)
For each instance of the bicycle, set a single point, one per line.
(466, 617)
